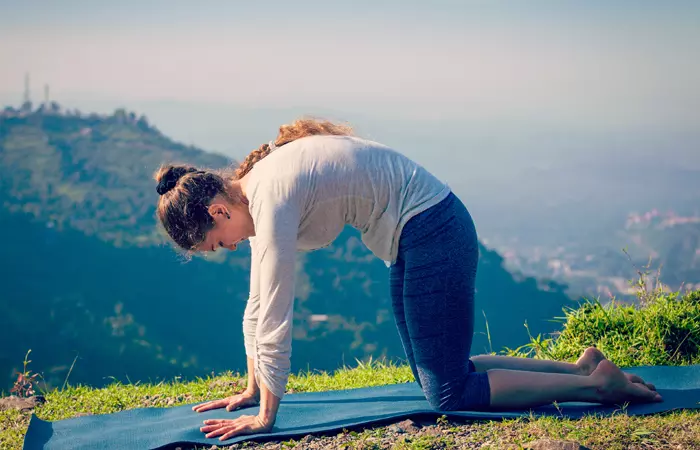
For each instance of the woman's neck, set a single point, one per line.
(238, 188)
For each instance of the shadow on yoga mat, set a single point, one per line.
(315, 412)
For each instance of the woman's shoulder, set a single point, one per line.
(293, 161)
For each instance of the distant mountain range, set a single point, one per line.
(87, 277)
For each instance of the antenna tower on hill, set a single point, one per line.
(27, 97)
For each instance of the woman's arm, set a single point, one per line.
(277, 225)
(276, 228)
(253, 386)
(269, 404)
(250, 316)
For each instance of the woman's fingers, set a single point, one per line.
(215, 428)
(203, 407)
(239, 401)
(222, 429)
(230, 403)
(210, 405)
(216, 424)
(244, 429)
(227, 428)
(233, 404)
(216, 421)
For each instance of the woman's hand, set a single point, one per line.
(246, 398)
(227, 428)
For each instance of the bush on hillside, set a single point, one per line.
(664, 330)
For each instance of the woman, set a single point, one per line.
(297, 193)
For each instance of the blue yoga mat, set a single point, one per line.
(315, 412)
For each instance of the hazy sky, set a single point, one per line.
(635, 62)
(480, 92)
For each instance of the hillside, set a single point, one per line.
(91, 288)
(89, 173)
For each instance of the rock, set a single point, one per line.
(552, 444)
(395, 429)
(21, 403)
(406, 426)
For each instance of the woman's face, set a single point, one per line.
(232, 224)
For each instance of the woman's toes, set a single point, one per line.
(616, 387)
(637, 379)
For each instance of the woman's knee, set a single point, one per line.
(473, 393)
(441, 402)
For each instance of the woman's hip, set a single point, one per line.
(443, 232)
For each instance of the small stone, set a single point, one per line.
(408, 425)
(23, 404)
(395, 429)
(306, 439)
(552, 444)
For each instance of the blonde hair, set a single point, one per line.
(187, 191)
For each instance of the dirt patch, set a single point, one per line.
(551, 444)
(234, 385)
(160, 400)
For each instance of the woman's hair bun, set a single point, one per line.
(168, 176)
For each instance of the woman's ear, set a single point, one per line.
(218, 210)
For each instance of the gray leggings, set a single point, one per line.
(432, 288)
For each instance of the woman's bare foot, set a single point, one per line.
(615, 387)
(590, 359)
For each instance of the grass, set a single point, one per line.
(664, 331)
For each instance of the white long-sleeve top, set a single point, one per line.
(301, 196)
